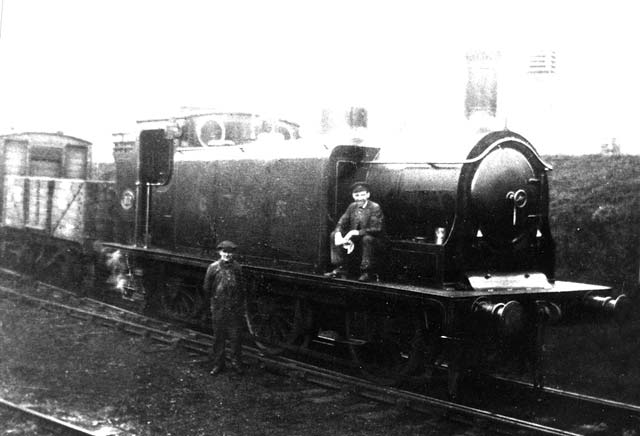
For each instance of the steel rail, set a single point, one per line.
(127, 326)
(570, 395)
(50, 422)
(410, 400)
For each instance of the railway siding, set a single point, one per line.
(137, 385)
(346, 392)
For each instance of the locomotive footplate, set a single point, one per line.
(500, 286)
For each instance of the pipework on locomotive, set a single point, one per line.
(469, 272)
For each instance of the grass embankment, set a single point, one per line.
(595, 220)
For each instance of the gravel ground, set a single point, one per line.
(97, 377)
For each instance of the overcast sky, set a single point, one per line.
(91, 68)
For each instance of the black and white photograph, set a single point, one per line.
(352, 218)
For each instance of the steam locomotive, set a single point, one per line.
(185, 184)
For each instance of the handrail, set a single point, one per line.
(478, 158)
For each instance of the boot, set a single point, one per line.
(364, 277)
(339, 272)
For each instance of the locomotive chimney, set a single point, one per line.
(481, 100)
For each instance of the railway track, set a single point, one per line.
(45, 422)
(533, 415)
(593, 414)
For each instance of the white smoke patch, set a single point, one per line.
(121, 277)
(117, 267)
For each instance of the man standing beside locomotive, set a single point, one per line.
(364, 222)
(223, 283)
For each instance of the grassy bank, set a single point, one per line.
(595, 219)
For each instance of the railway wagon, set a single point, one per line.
(50, 209)
(488, 288)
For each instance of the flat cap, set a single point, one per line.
(226, 245)
(360, 186)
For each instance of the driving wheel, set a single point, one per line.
(388, 347)
(274, 321)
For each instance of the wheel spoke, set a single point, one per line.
(271, 320)
(388, 347)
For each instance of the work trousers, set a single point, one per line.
(367, 249)
(227, 326)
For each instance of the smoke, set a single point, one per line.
(117, 267)
(121, 278)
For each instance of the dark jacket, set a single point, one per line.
(223, 284)
(368, 220)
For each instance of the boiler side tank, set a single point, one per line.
(417, 199)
